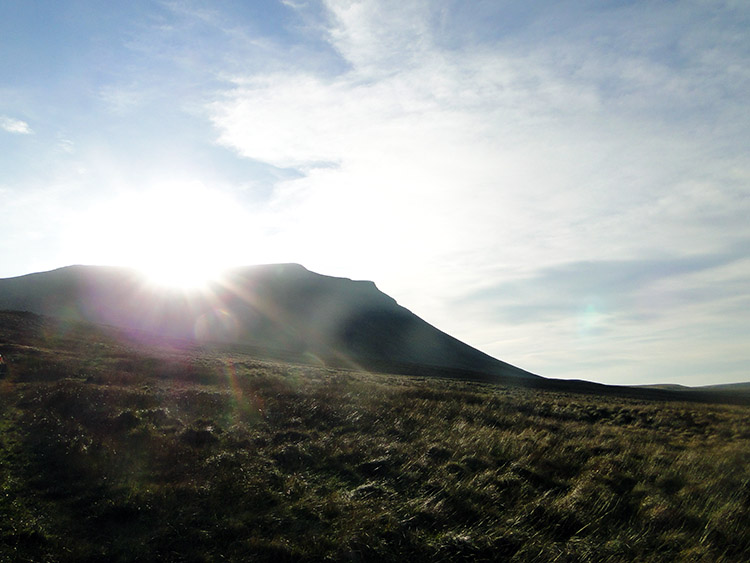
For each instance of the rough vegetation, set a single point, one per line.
(113, 449)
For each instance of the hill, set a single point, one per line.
(283, 308)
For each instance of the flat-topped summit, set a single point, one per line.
(278, 306)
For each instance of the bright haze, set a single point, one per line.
(563, 185)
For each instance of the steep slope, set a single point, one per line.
(280, 307)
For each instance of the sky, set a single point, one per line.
(563, 185)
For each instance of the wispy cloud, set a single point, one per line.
(537, 149)
(638, 289)
(15, 126)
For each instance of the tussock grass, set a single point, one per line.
(112, 450)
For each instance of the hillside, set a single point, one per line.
(283, 308)
(120, 448)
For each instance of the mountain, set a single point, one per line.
(281, 308)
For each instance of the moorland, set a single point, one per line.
(121, 447)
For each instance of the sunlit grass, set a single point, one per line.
(113, 451)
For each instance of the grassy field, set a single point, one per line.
(114, 449)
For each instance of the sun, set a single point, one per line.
(186, 276)
(188, 236)
(180, 235)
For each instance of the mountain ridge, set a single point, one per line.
(287, 307)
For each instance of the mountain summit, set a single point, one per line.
(283, 308)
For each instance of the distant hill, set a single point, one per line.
(283, 307)
(743, 387)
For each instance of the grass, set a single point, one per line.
(119, 450)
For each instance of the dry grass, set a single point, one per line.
(114, 451)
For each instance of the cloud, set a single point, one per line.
(542, 151)
(15, 126)
(637, 289)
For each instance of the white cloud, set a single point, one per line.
(15, 126)
(536, 147)
(376, 36)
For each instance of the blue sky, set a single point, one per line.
(562, 185)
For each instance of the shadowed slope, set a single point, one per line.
(281, 307)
